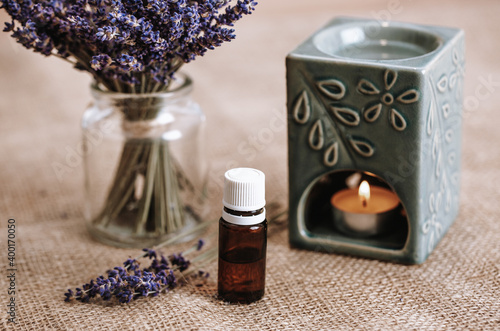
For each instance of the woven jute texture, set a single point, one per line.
(241, 87)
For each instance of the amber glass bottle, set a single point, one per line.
(243, 237)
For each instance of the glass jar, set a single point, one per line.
(145, 172)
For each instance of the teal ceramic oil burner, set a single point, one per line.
(374, 133)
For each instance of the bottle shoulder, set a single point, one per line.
(229, 225)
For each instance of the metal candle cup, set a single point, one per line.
(364, 217)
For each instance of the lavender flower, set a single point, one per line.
(101, 61)
(127, 45)
(179, 261)
(129, 282)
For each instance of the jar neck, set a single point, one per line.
(143, 106)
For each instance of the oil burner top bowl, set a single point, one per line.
(376, 41)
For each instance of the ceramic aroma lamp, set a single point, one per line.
(379, 102)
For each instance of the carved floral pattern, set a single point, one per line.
(441, 133)
(457, 76)
(330, 94)
(387, 98)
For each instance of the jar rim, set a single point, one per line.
(181, 85)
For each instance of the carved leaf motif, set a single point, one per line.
(448, 135)
(302, 109)
(447, 206)
(435, 145)
(409, 96)
(438, 201)
(430, 118)
(397, 120)
(431, 202)
(439, 228)
(455, 56)
(453, 80)
(331, 155)
(446, 110)
(452, 157)
(317, 136)
(366, 87)
(431, 243)
(439, 164)
(346, 115)
(390, 78)
(428, 224)
(332, 88)
(444, 183)
(362, 147)
(372, 113)
(442, 84)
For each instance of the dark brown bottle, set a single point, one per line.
(242, 237)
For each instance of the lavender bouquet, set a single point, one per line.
(133, 47)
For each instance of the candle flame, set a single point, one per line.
(364, 192)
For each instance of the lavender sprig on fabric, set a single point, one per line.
(127, 45)
(130, 282)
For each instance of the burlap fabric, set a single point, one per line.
(241, 86)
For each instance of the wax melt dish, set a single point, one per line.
(378, 98)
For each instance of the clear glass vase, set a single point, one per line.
(145, 172)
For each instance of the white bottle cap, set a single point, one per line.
(244, 190)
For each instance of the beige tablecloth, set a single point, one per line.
(241, 87)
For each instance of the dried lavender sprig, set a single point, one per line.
(132, 265)
(129, 282)
(161, 281)
(205, 258)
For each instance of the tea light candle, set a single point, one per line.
(366, 211)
